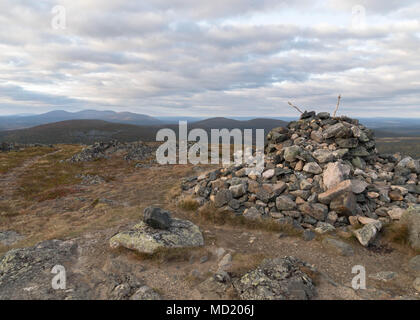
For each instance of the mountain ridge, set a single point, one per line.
(22, 122)
(88, 131)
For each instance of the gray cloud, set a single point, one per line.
(186, 57)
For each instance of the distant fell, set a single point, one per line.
(20, 122)
(89, 131)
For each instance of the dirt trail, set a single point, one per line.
(8, 181)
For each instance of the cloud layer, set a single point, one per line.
(220, 57)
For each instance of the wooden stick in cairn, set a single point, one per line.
(290, 104)
(338, 104)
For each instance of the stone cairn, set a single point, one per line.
(137, 150)
(321, 173)
(11, 146)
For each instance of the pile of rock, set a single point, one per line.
(11, 146)
(137, 150)
(6, 147)
(158, 230)
(278, 279)
(88, 179)
(320, 173)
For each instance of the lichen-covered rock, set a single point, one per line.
(368, 233)
(411, 218)
(26, 273)
(145, 293)
(277, 279)
(145, 239)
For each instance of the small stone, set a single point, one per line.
(299, 165)
(252, 213)
(291, 153)
(368, 233)
(312, 167)
(225, 262)
(268, 174)
(366, 220)
(333, 130)
(204, 259)
(334, 174)
(416, 284)
(222, 276)
(373, 195)
(220, 252)
(344, 204)
(354, 221)
(145, 293)
(323, 227)
(396, 195)
(157, 218)
(305, 184)
(323, 155)
(341, 188)
(358, 163)
(414, 265)
(383, 276)
(323, 115)
(222, 198)
(284, 202)
(332, 217)
(395, 213)
(308, 235)
(237, 190)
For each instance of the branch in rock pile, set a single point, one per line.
(290, 104)
(338, 104)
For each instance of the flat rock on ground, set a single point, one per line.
(145, 239)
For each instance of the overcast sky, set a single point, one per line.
(211, 58)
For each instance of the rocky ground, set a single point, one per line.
(97, 225)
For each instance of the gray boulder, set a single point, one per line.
(284, 202)
(26, 273)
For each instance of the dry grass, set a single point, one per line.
(208, 213)
(14, 159)
(243, 263)
(6, 210)
(189, 204)
(174, 192)
(52, 178)
(398, 233)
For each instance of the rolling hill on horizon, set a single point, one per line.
(27, 121)
(88, 131)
